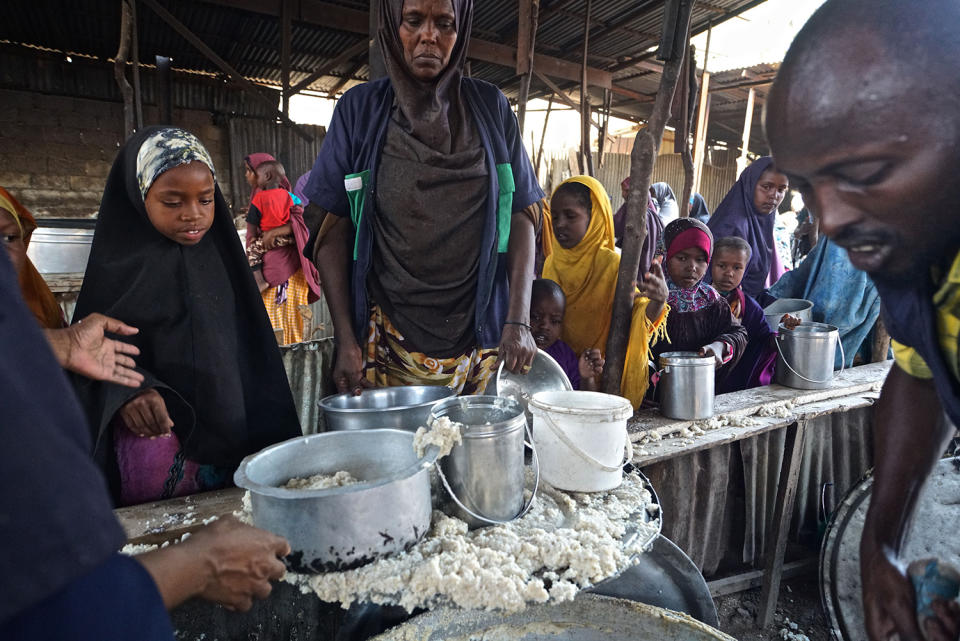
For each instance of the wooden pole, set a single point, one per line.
(682, 141)
(135, 46)
(703, 119)
(528, 17)
(747, 124)
(586, 163)
(285, 36)
(120, 70)
(224, 66)
(604, 127)
(543, 136)
(642, 158)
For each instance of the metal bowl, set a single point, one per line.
(545, 375)
(404, 408)
(341, 527)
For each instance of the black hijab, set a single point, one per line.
(432, 112)
(205, 339)
(55, 519)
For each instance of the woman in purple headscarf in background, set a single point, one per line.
(653, 244)
(748, 211)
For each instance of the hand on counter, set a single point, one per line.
(85, 349)
(146, 414)
(715, 349)
(790, 322)
(227, 562)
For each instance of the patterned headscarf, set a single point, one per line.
(700, 295)
(166, 149)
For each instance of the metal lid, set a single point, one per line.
(685, 359)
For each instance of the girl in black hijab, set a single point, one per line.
(167, 259)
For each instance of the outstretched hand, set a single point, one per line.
(591, 364)
(89, 352)
(654, 287)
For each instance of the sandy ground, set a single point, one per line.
(799, 603)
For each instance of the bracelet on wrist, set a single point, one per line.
(522, 324)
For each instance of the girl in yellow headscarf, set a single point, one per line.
(16, 226)
(585, 265)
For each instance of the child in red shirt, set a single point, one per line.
(269, 209)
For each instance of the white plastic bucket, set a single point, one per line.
(581, 438)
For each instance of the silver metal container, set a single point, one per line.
(486, 471)
(404, 408)
(806, 355)
(60, 251)
(343, 527)
(686, 385)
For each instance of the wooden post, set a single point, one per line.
(881, 342)
(747, 124)
(682, 141)
(586, 163)
(701, 114)
(644, 154)
(135, 47)
(526, 47)
(285, 36)
(703, 119)
(776, 542)
(235, 75)
(604, 126)
(120, 70)
(164, 95)
(543, 136)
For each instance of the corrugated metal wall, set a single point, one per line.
(714, 185)
(252, 135)
(309, 368)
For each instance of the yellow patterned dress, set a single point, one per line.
(390, 363)
(288, 315)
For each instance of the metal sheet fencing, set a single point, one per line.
(252, 135)
(718, 503)
(714, 184)
(309, 367)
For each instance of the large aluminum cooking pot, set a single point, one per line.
(405, 408)
(343, 527)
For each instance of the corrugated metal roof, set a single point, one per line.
(621, 30)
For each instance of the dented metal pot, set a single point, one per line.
(342, 527)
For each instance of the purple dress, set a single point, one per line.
(755, 367)
(568, 360)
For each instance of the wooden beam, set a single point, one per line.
(120, 70)
(332, 16)
(703, 120)
(745, 143)
(746, 83)
(630, 93)
(529, 11)
(286, 27)
(345, 79)
(543, 136)
(585, 109)
(345, 56)
(190, 37)
(135, 57)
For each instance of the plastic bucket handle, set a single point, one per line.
(628, 447)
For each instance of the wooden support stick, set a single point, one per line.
(235, 75)
(586, 164)
(690, 68)
(642, 158)
(700, 142)
(529, 11)
(780, 525)
(120, 69)
(747, 126)
(881, 342)
(135, 51)
(543, 136)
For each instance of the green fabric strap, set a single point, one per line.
(356, 186)
(504, 205)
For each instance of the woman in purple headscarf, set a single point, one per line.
(748, 211)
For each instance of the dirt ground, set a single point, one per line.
(799, 604)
